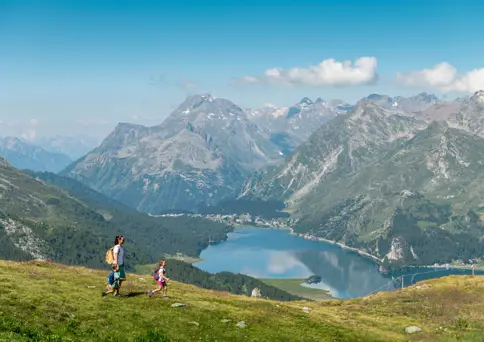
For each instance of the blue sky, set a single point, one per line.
(69, 67)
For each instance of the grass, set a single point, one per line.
(294, 287)
(44, 301)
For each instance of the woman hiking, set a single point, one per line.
(118, 253)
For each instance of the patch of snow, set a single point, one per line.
(415, 256)
(279, 112)
(406, 193)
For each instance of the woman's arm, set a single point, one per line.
(115, 254)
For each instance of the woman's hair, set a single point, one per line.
(117, 238)
(161, 261)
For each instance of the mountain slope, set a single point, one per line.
(290, 126)
(42, 221)
(24, 155)
(446, 309)
(200, 154)
(387, 184)
(339, 148)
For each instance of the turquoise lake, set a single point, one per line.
(273, 253)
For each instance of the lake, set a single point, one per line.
(275, 253)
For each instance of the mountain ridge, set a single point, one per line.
(25, 155)
(346, 181)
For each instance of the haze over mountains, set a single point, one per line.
(46, 153)
(25, 155)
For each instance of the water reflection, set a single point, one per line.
(268, 253)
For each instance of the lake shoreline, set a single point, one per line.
(315, 238)
(377, 260)
(362, 253)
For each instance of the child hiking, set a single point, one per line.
(113, 281)
(160, 277)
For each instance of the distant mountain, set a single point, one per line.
(24, 155)
(385, 180)
(417, 103)
(290, 126)
(200, 154)
(74, 147)
(45, 216)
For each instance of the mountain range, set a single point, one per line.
(402, 183)
(26, 155)
(288, 127)
(397, 177)
(201, 154)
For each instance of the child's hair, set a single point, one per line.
(114, 267)
(161, 261)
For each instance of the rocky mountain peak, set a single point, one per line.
(426, 97)
(206, 104)
(478, 98)
(305, 101)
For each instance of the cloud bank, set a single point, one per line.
(445, 78)
(329, 72)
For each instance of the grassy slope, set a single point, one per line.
(43, 300)
(294, 286)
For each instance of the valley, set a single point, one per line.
(392, 179)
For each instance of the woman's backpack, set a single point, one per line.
(110, 256)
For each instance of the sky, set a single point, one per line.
(80, 67)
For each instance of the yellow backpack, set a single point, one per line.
(110, 256)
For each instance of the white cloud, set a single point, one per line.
(329, 72)
(444, 77)
(250, 79)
